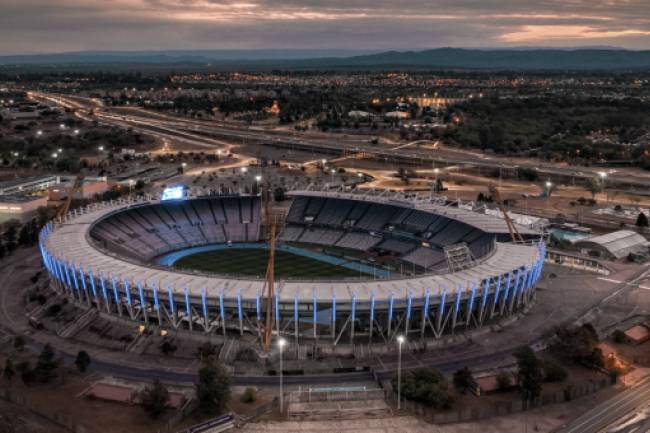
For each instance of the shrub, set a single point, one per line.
(427, 386)
(619, 336)
(249, 395)
(504, 381)
(554, 372)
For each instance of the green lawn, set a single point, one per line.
(253, 262)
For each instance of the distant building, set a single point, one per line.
(20, 207)
(614, 245)
(28, 184)
(89, 188)
(359, 114)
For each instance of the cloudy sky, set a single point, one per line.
(37, 26)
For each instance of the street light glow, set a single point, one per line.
(258, 178)
(282, 342)
(244, 169)
(602, 174)
(400, 339)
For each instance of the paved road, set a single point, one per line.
(610, 411)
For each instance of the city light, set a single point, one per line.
(244, 169)
(258, 178)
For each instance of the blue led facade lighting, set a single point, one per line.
(170, 300)
(425, 309)
(103, 284)
(92, 282)
(127, 292)
(497, 289)
(506, 293)
(372, 307)
(156, 304)
(258, 306)
(295, 307)
(443, 299)
(116, 295)
(67, 276)
(333, 307)
(315, 308)
(471, 299)
(239, 310)
(204, 304)
(83, 280)
(188, 306)
(486, 289)
(391, 303)
(459, 292)
(409, 303)
(277, 309)
(222, 307)
(354, 306)
(141, 293)
(74, 277)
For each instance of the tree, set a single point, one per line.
(46, 365)
(579, 344)
(82, 361)
(641, 221)
(278, 194)
(167, 348)
(8, 372)
(427, 386)
(529, 374)
(26, 372)
(554, 372)
(213, 388)
(155, 399)
(19, 343)
(504, 381)
(464, 380)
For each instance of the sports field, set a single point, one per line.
(253, 262)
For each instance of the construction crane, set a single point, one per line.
(268, 291)
(65, 207)
(514, 233)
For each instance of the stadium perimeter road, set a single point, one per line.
(610, 411)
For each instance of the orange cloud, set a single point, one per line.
(534, 33)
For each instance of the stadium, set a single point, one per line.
(356, 267)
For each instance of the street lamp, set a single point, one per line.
(76, 132)
(244, 169)
(101, 148)
(603, 175)
(258, 178)
(39, 133)
(281, 343)
(400, 341)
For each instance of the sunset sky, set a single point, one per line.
(37, 26)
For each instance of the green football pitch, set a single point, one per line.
(253, 262)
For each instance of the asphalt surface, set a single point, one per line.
(609, 412)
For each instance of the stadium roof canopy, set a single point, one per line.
(487, 223)
(615, 244)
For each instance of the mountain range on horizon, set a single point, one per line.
(516, 58)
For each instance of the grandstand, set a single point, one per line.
(106, 256)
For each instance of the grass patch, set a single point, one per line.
(253, 262)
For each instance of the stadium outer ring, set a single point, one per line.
(319, 312)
